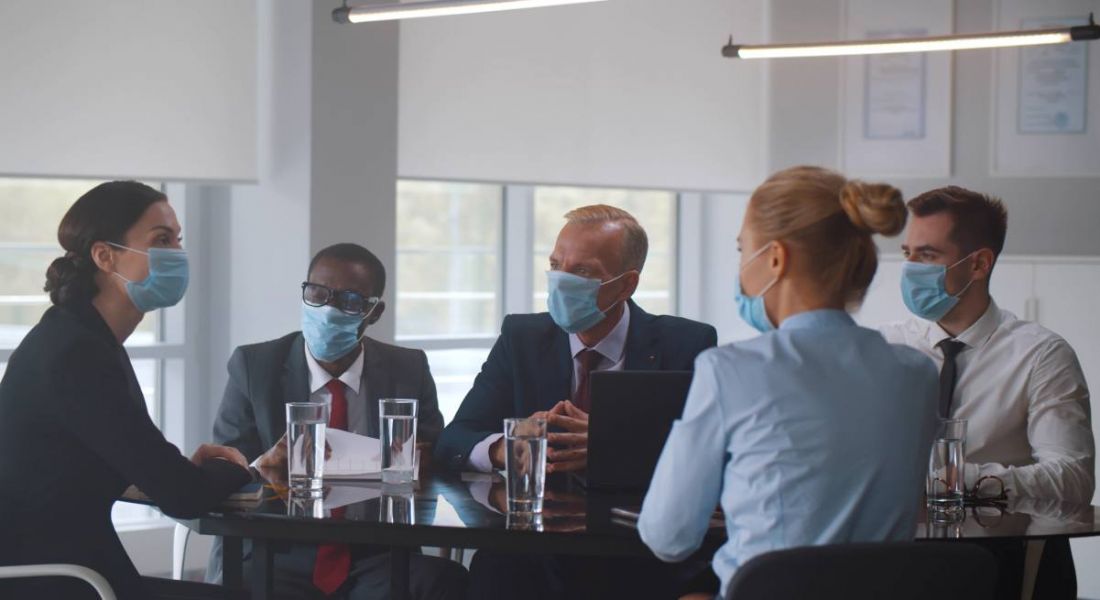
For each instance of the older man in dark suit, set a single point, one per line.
(332, 361)
(541, 364)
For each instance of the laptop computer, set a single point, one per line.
(632, 414)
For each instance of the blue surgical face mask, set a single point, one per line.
(166, 283)
(572, 300)
(751, 308)
(923, 288)
(331, 333)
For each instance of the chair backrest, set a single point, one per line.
(97, 581)
(900, 571)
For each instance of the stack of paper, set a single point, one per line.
(353, 456)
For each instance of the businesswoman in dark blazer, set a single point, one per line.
(74, 430)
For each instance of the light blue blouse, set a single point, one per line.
(816, 433)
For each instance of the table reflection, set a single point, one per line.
(479, 501)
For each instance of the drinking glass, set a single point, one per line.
(525, 464)
(398, 504)
(305, 440)
(397, 422)
(945, 485)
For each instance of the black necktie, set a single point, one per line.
(948, 373)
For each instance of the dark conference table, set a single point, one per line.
(454, 511)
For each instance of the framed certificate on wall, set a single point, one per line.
(1045, 115)
(895, 109)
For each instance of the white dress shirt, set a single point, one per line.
(612, 349)
(354, 389)
(1022, 392)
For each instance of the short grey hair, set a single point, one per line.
(635, 240)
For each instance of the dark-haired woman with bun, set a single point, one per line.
(74, 431)
(817, 431)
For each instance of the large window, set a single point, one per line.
(31, 210)
(449, 278)
(467, 254)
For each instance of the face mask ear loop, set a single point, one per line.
(969, 283)
(741, 269)
(612, 280)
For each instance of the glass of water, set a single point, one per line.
(398, 504)
(945, 485)
(397, 422)
(305, 445)
(525, 464)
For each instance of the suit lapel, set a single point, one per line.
(295, 378)
(377, 382)
(554, 384)
(642, 350)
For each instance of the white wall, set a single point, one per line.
(151, 89)
(1048, 215)
(627, 93)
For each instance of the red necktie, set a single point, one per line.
(334, 560)
(589, 359)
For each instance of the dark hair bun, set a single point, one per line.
(70, 278)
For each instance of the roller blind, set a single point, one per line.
(128, 88)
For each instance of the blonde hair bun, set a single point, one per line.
(874, 207)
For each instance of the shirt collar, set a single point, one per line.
(612, 346)
(975, 336)
(817, 319)
(319, 377)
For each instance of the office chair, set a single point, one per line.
(98, 583)
(900, 571)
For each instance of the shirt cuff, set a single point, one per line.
(479, 457)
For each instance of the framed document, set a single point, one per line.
(894, 92)
(1045, 115)
(1053, 88)
(895, 109)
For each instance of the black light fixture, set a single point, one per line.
(1031, 37)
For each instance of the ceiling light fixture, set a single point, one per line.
(1033, 37)
(389, 11)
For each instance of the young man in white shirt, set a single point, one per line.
(1018, 384)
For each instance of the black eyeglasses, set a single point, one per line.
(994, 494)
(349, 301)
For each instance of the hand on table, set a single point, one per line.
(207, 452)
(276, 456)
(567, 451)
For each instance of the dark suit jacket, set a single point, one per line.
(74, 433)
(530, 368)
(264, 377)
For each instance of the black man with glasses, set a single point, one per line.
(332, 360)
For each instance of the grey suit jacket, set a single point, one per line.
(264, 377)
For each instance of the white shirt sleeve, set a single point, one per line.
(479, 457)
(1059, 430)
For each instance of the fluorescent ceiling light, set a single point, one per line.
(1035, 37)
(366, 13)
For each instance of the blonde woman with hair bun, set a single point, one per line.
(817, 431)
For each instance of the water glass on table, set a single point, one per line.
(305, 445)
(398, 505)
(397, 424)
(945, 486)
(525, 464)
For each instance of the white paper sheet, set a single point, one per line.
(353, 456)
